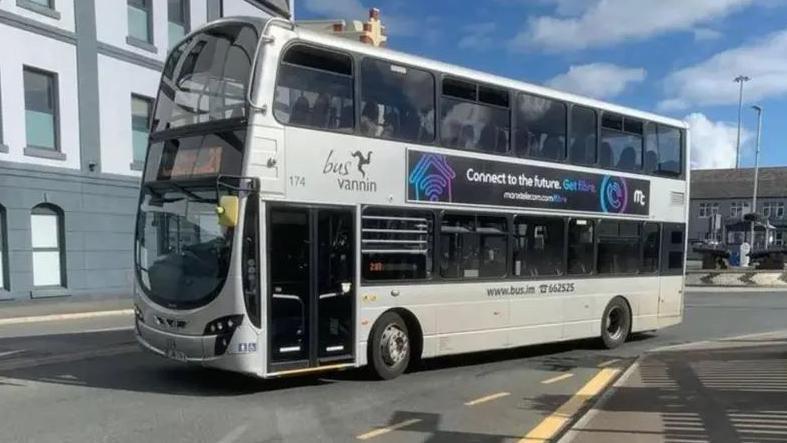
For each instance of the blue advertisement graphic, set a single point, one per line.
(435, 177)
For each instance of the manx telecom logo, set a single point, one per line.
(614, 194)
(432, 178)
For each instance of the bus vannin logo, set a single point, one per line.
(614, 195)
(362, 161)
(432, 178)
(343, 167)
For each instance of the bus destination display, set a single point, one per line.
(433, 177)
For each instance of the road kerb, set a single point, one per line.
(569, 433)
(62, 317)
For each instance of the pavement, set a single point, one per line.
(726, 390)
(85, 380)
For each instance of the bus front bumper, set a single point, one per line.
(183, 348)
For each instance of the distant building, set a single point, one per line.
(728, 192)
(371, 32)
(77, 84)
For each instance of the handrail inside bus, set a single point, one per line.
(264, 39)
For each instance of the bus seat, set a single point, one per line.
(552, 147)
(628, 159)
(319, 113)
(605, 154)
(299, 114)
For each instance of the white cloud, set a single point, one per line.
(713, 144)
(600, 80)
(477, 36)
(355, 10)
(710, 82)
(608, 22)
(705, 34)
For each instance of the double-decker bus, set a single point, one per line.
(312, 203)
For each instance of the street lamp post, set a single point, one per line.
(758, 109)
(739, 79)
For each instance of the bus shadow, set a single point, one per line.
(138, 371)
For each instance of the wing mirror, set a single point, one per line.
(227, 210)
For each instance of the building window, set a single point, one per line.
(178, 16)
(778, 239)
(3, 251)
(141, 109)
(773, 210)
(46, 227)
(737, 209)
(708, 209)
(41, 109)
(1, 115)
(140, 20)
(397, 102)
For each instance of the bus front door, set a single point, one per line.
(311, 287)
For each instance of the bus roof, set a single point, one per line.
(329, 40)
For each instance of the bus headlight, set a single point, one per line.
(223, 325)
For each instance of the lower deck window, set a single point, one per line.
(473, 247)
(618, 247)
(538, 246)
(396, 245)
(580, 246)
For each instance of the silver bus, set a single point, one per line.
(311, 203)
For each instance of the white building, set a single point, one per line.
(77, 82)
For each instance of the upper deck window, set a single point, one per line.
(398, 102)
(315, 89)
(621, 142)
(541, 128)
(474, 116)
(584, 135)
(206, 76)
(663, 149)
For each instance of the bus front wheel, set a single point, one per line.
(390, 347)
(616, 323)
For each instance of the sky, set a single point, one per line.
(676, 58)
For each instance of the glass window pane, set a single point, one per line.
(40, 129)
(620, 150)
(669, 157)
(205, 77)
(538, 246)
(396, 245)
(140, 125)
(580, 246)
(651, 161)
(651, 241)
(44, 3)
(138, 23)
(466, 125)
(44, 230)
(397, 102)
(2, 248)
(583, 138)
(460, 89)
(176, 34)
(176, 11)
(46, 268)
(39, 91)
(618, 247)
(541, 128)
(315, 89)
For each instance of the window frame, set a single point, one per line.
(55, 79)
(358, 96)
(594, 223)
(600, 141)
(642, 242)
(569, 133)
(478, 85)
(185, 6)
(137, 164)
(353, 80)
(563, 248)
(58, 213)
(437, 238)
(147, 6)
(567, 109)
(640, 246)
(5, 273)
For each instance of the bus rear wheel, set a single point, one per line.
(390, 347)
(616, 323)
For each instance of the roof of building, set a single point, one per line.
(738, 183)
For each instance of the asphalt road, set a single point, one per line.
(97, 386)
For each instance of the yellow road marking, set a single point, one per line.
(59, 317)
(558, 378)
(551, 425)
(487, 398)
(608, 362)
(381, 431)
